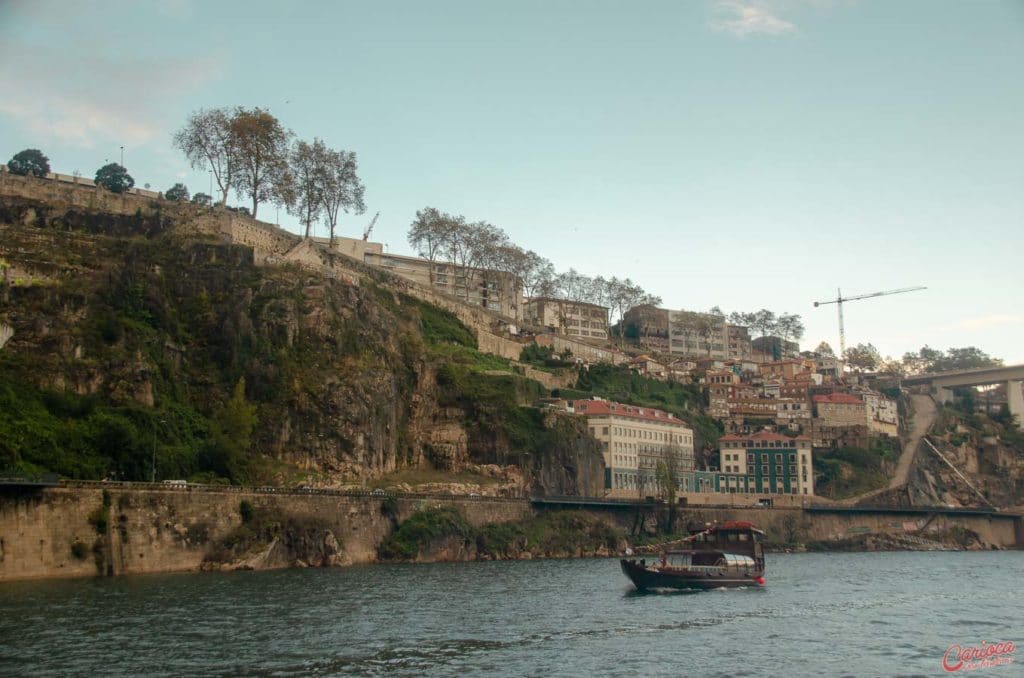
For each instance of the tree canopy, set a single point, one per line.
(177, 193)
(259, 148)
(114, 178)
(30, 161)
(207, 142)
(863, 357)
(928, 359)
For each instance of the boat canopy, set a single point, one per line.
(737, 560)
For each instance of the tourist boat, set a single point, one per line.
(726, 555)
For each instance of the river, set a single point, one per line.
(862, 614)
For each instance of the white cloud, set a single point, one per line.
(749, 17)
(84, 98)
(984, 322)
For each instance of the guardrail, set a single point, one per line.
(39, 480)
(266, 489)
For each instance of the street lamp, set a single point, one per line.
(122, 156)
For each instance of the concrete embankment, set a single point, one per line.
(112, 529)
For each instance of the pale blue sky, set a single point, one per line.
(737, 153)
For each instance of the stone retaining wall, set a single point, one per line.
(172, 530)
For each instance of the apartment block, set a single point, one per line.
(634, 440)
(772, 463)
(568, 318)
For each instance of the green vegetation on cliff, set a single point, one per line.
(303, 537)
(552, 535)
(142, 350)
(619, 383)
(850, 471)
(422, 528)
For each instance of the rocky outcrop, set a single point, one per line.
(142, 312)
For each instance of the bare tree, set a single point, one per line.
(306, 163)
(764, 322)
(533, 270)
(789, 325)
(340, 187)
(207, 142)
(699, 326)
(429, 235)
(260, 148)
(669, 473)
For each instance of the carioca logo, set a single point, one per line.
(970, 657)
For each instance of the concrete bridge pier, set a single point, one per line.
(943, 395)
(1015, 399)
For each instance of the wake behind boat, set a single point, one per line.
(728, 555)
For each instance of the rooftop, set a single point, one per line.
(838, 399)
(607, 407)
(762, 437)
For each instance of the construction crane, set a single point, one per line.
(840, 300)
(369, 229)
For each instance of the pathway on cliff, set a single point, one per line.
(920, 424)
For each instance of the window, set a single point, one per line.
(750, 459)
(605, 430)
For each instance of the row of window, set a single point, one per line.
(752, 458)
(761, 444)
(644, 434)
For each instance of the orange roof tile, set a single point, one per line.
(838, 399)
(607, 407)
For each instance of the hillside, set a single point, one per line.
(138, 338)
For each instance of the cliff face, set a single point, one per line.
(133, 332)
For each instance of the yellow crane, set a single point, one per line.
(840, 300)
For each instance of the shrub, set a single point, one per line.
(79, 550)
(177, 193)
(246, 510)
(423, 527)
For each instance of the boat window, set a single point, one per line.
(744, 536)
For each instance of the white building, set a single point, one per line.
(634, 439)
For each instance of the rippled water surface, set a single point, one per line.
(871, 614)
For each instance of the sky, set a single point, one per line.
(744, 154)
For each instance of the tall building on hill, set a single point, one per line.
(686, 333)
(635, 440)
(570, 318)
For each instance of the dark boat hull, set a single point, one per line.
(645, 578)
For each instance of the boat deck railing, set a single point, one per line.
(703, 569)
